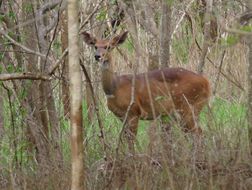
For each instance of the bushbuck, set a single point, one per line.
(157, 93)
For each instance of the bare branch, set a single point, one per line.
(220, 70)
(90, 15)
(181, 18)
(52, 23)
(207, 35)
(20, 45)
(49, 6)
(30, 21)
(102, 134)
(28, 75)
(57, 63)
(148, 20)
(165, 34)
(237, 31)
(245, 17)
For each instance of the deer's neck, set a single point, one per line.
(108, 78)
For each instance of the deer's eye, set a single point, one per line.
(95, 47)
(107, 47)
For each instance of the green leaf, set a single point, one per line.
(158, 98)
(28, 7)
(165, 118)
(230, 40)
(10, 68)
(170, 2)
(12, 15)
(246, 28)
(113, 2)
(1, 56)
(102, 15)
(1, 18)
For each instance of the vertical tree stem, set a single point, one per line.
(75, 98)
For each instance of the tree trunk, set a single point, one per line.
(90, 103)
(129, 9)
(1, 116)
(207, 35)
(48, 113)
(12, 23)
(165, 34)
(65, 69)
(250, 94)
(35, 134)
(75, 98)
(249, 6)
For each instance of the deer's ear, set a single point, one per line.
(88, 38)
(119, 39)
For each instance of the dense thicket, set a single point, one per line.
(210, 37)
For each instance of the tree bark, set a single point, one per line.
(250, 94)
(207, 35)
(1, 116)
(90, 103)
(65, 69)
(129, 9)
(165, 34)
(11, 23)
(35, 119)
(75, 98)
(49, 113)
(249, 40)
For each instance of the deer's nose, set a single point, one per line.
(97, 57)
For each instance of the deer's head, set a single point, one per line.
(103, 47)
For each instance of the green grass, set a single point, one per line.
(223, 115)
(224, 126)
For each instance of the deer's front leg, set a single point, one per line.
(131, 132)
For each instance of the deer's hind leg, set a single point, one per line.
(190, 124)
(189, 119)
(166, 137)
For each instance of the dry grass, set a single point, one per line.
(223, 163)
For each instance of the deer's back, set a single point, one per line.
(160, 92)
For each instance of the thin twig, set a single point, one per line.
(56, 22)
(207, 36)
(30, 21)
(219, 71)
(181, 18)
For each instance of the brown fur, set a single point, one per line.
(157, 93)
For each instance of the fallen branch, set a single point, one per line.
(17, 76)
